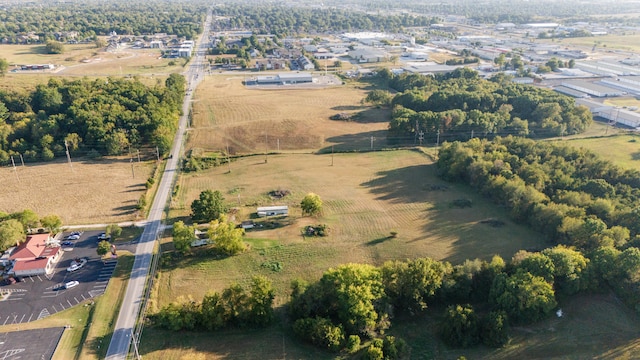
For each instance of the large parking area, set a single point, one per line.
(38, 296)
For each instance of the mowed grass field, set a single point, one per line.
(86, 59)
(102, 191)
(622, 150)
(254, 119)
(366, 196)
(628, 42)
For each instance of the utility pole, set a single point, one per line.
(278, 142)
(372, 142)
(157, 153)
(421, 137)
(15, 171)
(22, 160)
(66, 145)
(331, 155)
(471, 135)
(266, 147)
(438, 139)
(135, 345)
(138, 155)
(228, 161)
(133, 174)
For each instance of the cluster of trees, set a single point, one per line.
(54, 21)
(461, 105)
(15, 226)
(234, 307)
(570, 195)
(224, 234)
(105, 116)
(357, 300)
(289, 20)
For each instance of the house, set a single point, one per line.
(305, 64)
(36, 256)
(273, 211)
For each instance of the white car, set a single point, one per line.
(71, 284)
(76, 265)
(72, 237)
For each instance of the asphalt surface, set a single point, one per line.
(30, 344)
(123, 331)
(36, 297)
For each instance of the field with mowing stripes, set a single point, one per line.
(248, 120)
(366, 196)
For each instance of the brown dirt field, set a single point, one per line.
(228, 113)
(94, 192)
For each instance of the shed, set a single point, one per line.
(273, 211)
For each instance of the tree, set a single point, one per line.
(54, 47)
(379, 97)
(524, 297)
(103, 247)
(4, 65)
(495, 329)
(100, 43)
(11, 233)
(460, 326)
(226, 237)
(183, 236)
(28, 218)
(51, 223)
(114, 230)
(210, 206)
(311, 204)
(261, 301)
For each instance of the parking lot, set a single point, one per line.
(38, 296)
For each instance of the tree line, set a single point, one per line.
(54, 21)
(573, 197)
(460, 105)
(101, 116)
(290, 20)
(15, 226)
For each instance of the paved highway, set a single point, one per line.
(121, 340)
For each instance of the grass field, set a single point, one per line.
(622, 150)
(378, 192)
(102, 191)
(628, 42)
(249, 120)
(84, 60)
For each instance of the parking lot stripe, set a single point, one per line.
(54, 308)
(83, 298)
(44, 313)
(69, 302)
(30, 317)
(62, 306)
(23, 315)
(5, 322)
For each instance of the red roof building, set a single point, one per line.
(36, 256)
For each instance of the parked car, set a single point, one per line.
(76, 233)
(72, 237)
(75, 265)
(104, 236)
(67, 243)
(71, 284)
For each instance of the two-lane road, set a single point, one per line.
(121, 340)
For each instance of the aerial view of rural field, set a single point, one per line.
(345, 180)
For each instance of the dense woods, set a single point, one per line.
(15, 226)
(56, 21)
(570, 195)
(287, 20)
(102, 116)
(461, 105)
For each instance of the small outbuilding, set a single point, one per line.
(273, 211)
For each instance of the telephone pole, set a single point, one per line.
(372, 138)
(228, 161)
(133, 174)
(157, 153)
(15, 171)
(66, 145)
(266, 147)
(331, 155)
(138, 155)
(22, 160)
